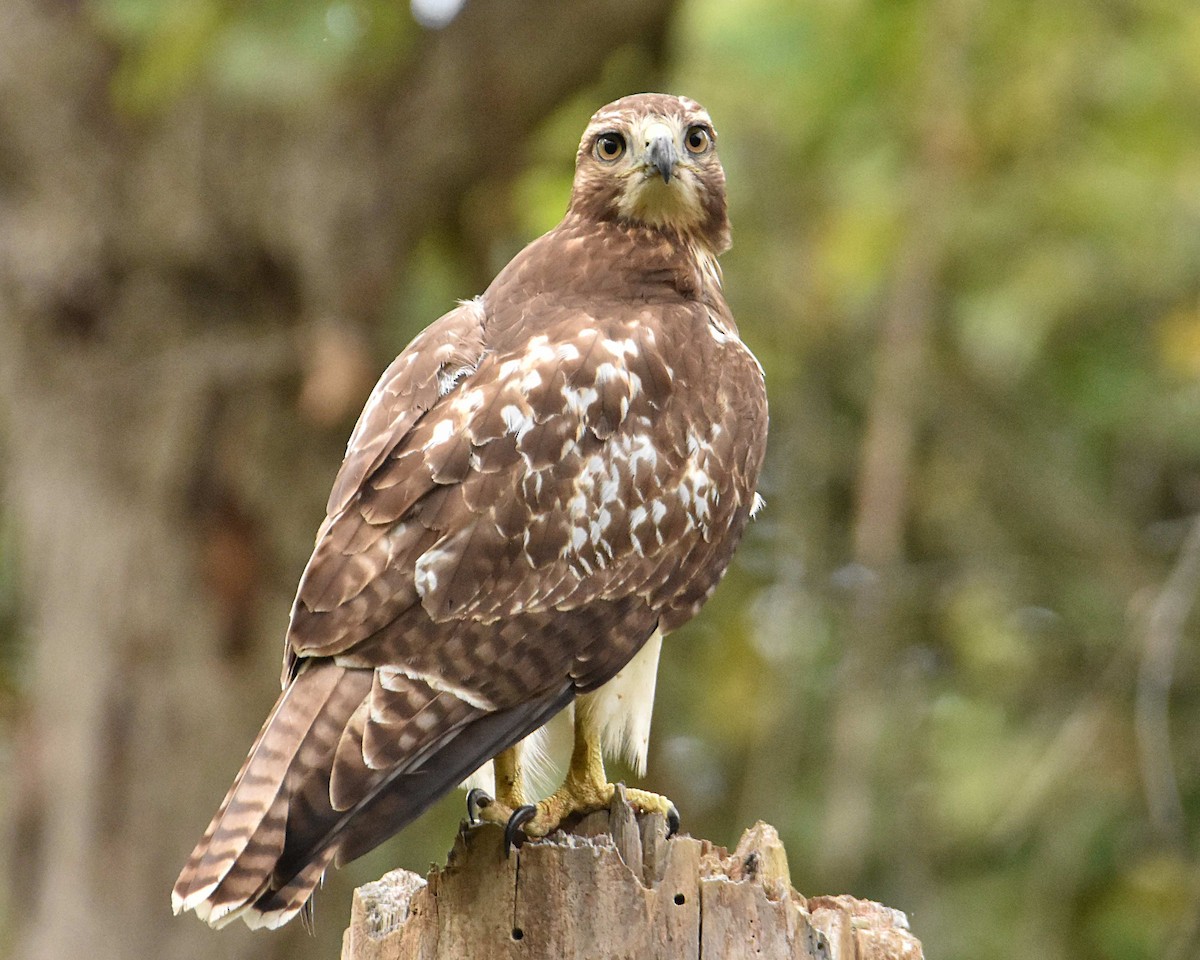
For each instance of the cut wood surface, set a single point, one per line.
(615, 887)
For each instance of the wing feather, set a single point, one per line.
(411, 385)
(549, 477)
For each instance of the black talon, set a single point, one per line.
(672, 821)
(521, 816)
(476, 800)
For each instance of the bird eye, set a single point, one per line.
(609, 146)
(698, 139)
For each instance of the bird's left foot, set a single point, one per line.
(573, 797)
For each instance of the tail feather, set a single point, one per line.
(248, 873)
(407, 797)
(276, 907)
(249, 828)
(278, 829)
(273, 908)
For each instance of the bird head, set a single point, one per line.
(651, 159)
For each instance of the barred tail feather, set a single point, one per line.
(401, 800)
(233, 863)
(274, 908)
(278, 830)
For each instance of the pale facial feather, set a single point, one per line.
(643, 196)
(631, 189)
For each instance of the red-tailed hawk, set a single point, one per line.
(548, 480)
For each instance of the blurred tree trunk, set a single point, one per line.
(169, 287)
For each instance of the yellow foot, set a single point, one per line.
(482, 807)
(649, 802)
(573, 797)
(510, 791)
(585, 790)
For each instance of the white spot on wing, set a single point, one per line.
(425, 577)
(611, 486)
(516, 420)
(388, 677)
(467, 403)
(641, 448)
(579, 400)
(620, 348)
(447, 378)
(443, 430)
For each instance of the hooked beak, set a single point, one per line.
(662, 155)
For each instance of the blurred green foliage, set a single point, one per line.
(283, 53)
(1039, 165)
(1042, 163)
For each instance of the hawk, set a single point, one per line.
(547, 481)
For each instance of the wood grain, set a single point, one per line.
(616, 888)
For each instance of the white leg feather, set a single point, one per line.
(484, 779)
(622, 708)
(531, 754)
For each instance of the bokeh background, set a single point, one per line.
(956, 659)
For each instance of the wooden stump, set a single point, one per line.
(615, 887)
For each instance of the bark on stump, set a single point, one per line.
(615, 887)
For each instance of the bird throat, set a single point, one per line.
(675, 205)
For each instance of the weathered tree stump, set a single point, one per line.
(615, 887)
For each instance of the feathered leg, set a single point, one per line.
(586, 787)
